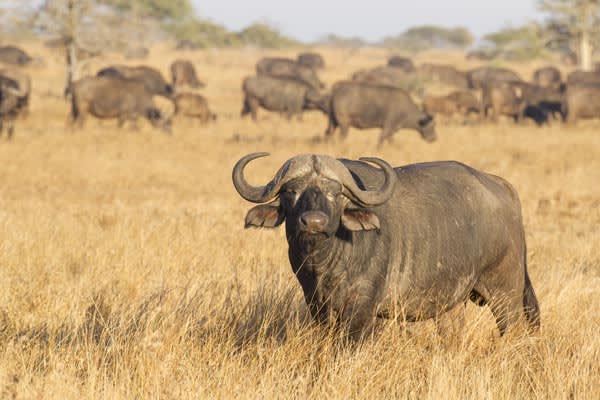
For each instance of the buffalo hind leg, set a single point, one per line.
(502, 288)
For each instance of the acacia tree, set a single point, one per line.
(575, 20)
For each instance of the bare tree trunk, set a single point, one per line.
(585, 51)
(71, 47)
(585, 47)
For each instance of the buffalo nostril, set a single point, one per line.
(313, 220)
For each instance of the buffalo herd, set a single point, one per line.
(389, 97)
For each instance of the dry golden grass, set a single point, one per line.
(126, 272)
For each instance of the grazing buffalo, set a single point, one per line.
(366, 106)
(152, 79)
(444, 74)
(404, 63)
(478, 77)
(193, 105)
(14, 55)
(311, 60)
(547, 77)
(583, 78)
(107, 98)
(407, 243)
(581, 102)
(387, 76)
(287, 96)
(287, 68)
(183, 74)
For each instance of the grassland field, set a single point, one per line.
(126, 272)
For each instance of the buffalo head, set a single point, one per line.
(314, 194)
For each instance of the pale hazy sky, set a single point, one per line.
(369, 19)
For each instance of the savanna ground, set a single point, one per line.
(126, 271)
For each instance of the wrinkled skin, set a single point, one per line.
(311, 60)
(183, 74)
(108, 98)
(14, 55)
(193, 105)
(439, 234)
(287, 96)
(477, 78)
(290, 69)
(365, 106)
(152, 79)
(548, 77)
(444, 74)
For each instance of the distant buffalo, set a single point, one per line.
(311, 60)
(14, 55)
(14, 97)
(287, 96)
(287, 68)
(183, 74)
(108, 98)
(366, 106)
(193, 105)
(151, 78)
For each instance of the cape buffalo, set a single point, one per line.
(193, 105)
(366, 106)
(14, 97)
(478, 77)
(287, 68)
(458, 102)
(311, 60)
(547, 77)
(106, 98)
(288, 96)
(183, 74)
(409, 243)
(14, 55)
(152, 79)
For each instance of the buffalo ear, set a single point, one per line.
(360, 220)
(265, 216)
